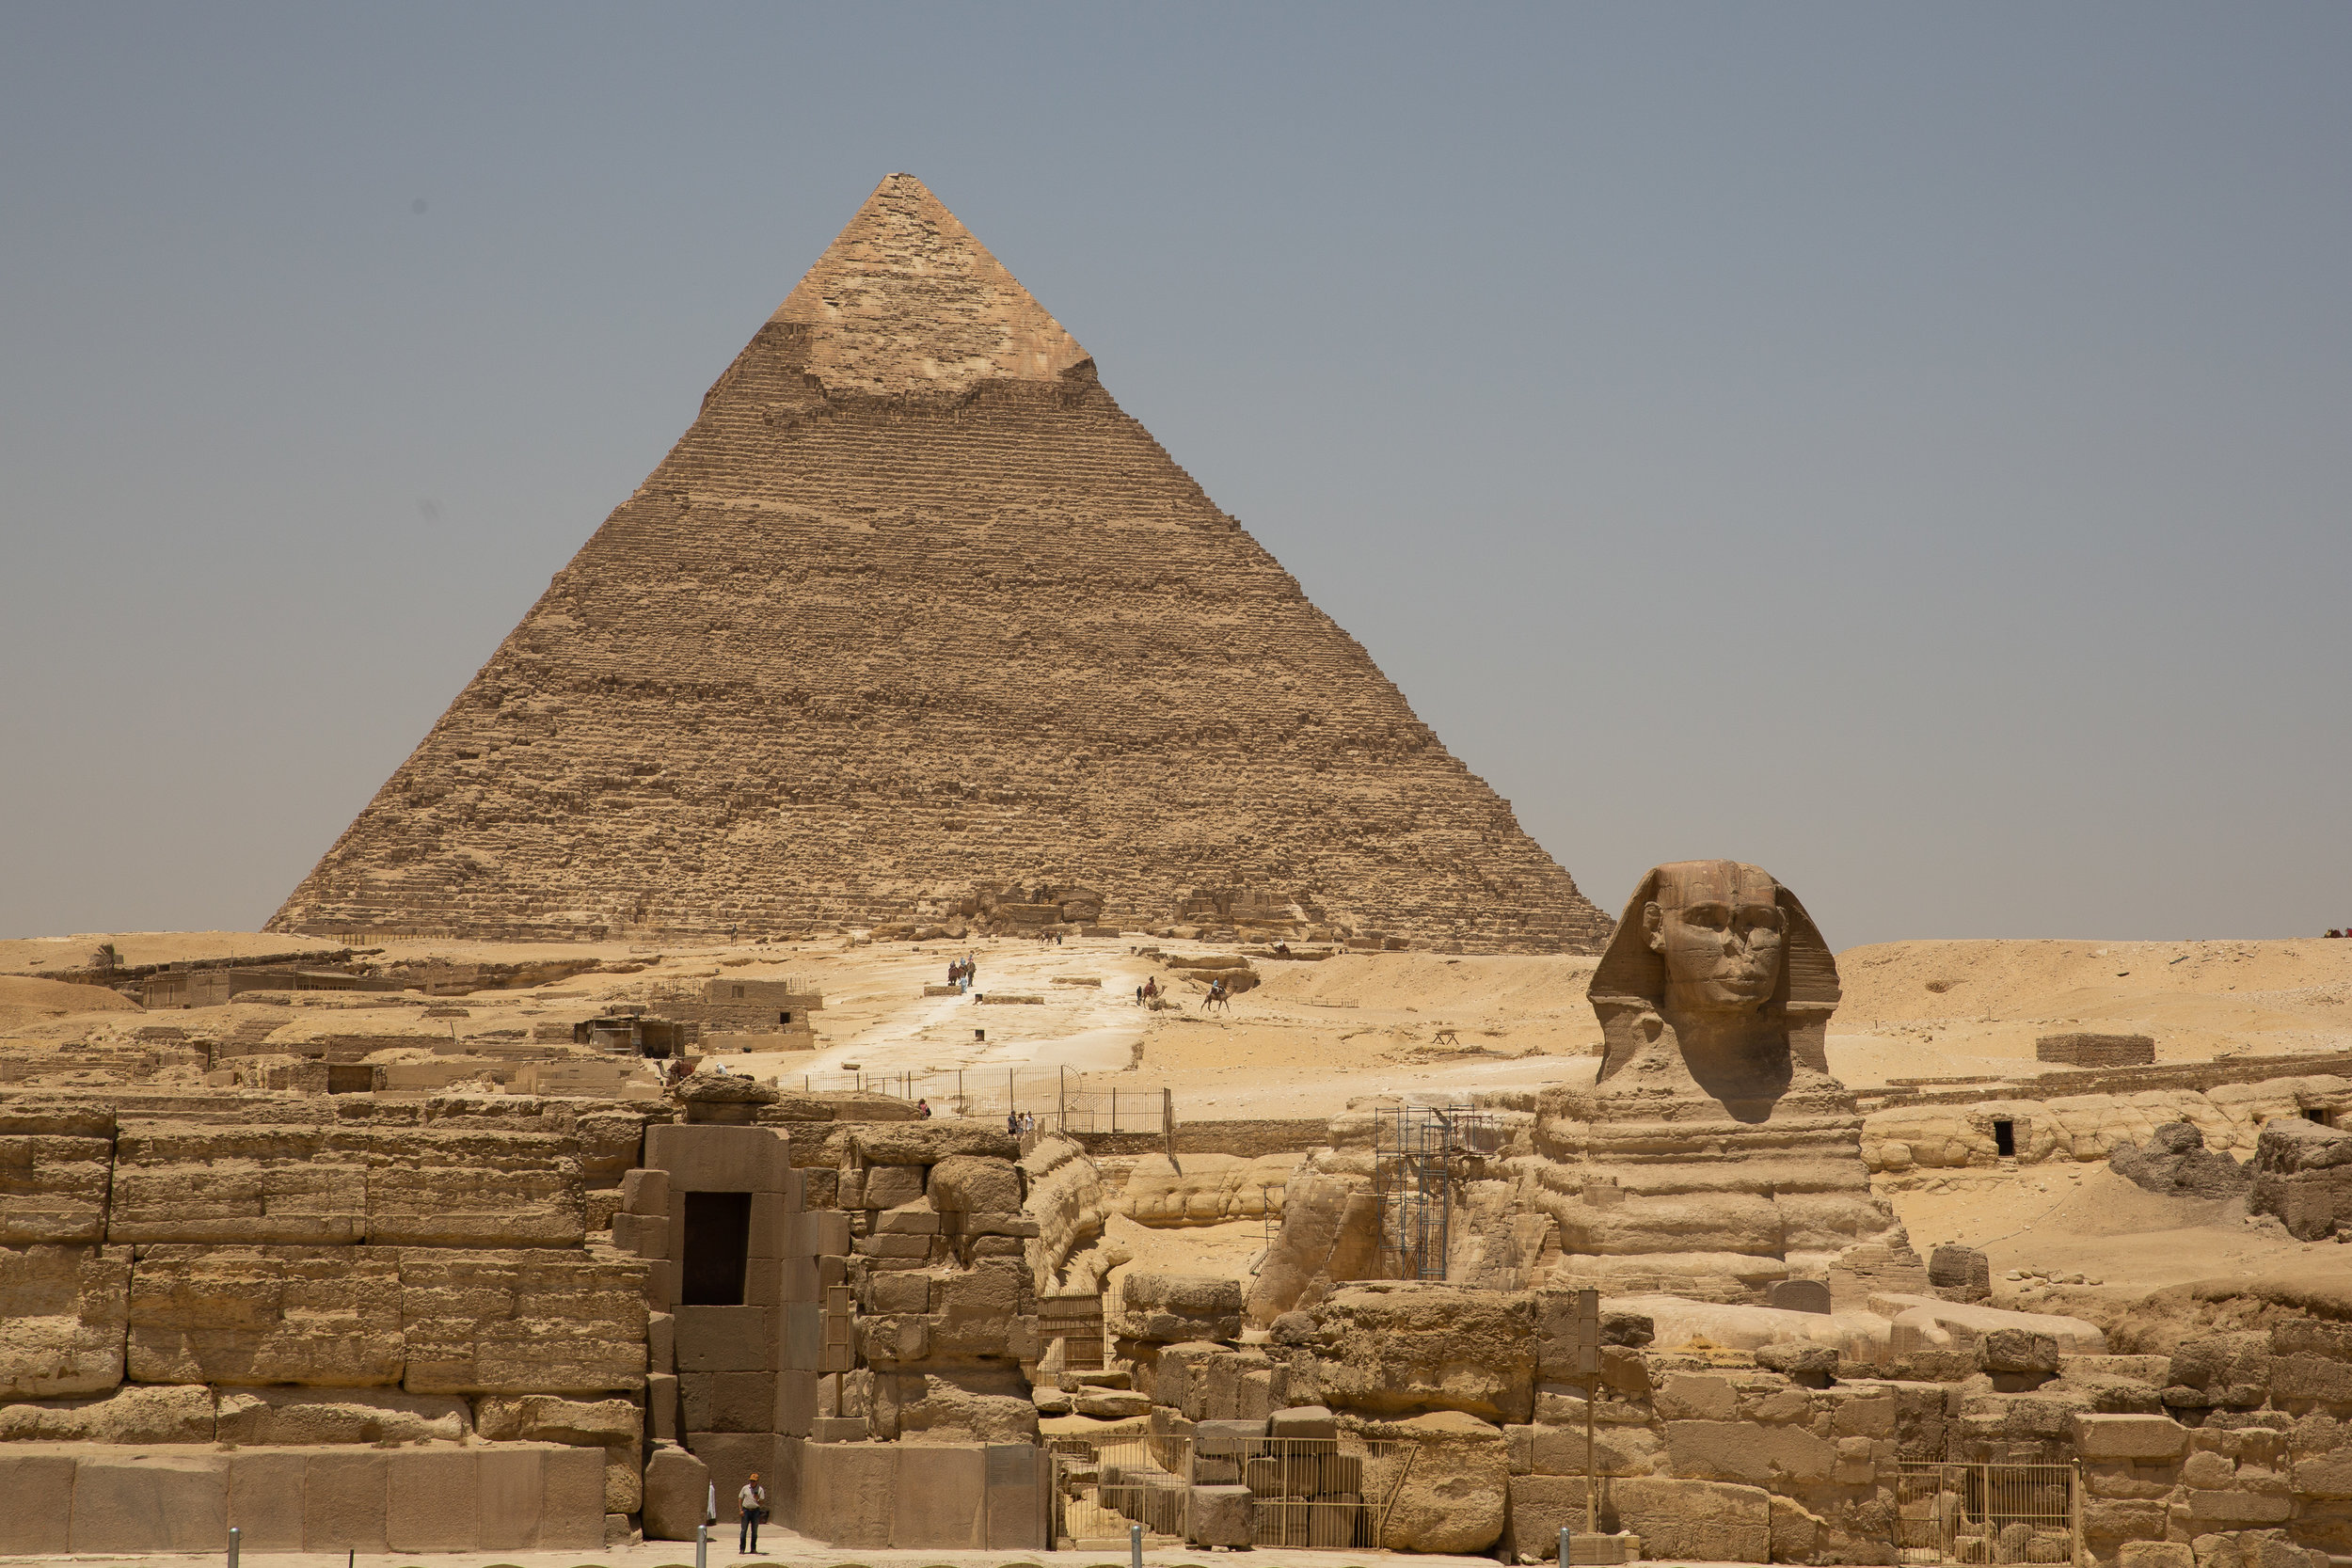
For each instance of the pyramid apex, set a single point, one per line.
(907, 299)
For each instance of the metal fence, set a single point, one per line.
(1328, 1493)
(1988, 1513)
(1059, 1100)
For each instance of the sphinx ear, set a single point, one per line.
(1654, 926)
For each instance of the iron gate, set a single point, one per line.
(1988, 1513)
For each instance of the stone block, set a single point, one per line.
(727, 1401)
(146, 1502)
(1450, 1487)
(249, 1316)
(430, 1500)
(509, 1487)
(718, 1158)
(1747, 1452)
(473, 1189)
(1798, 1295)
(2238, 1509)
(900, 1292)
(837, 1429)
(1303, 1420)
(795, 1403)
(913, 1219)
(660, 1342)
(646, 1236)
(2325, 1475)
(974, 1310)
(971, 1183)
(572, 1497)
(265, 1500)
(1704, 1521)
(62, 1313)
(942, 1497)
(1695, 1396)
(344, 1501)
(1393, 1348)
(1223, 1515)
(847, 1493)
(2132, 1437)
(645, 1192)
(662, 1406)
(1172, 1309)
(889, 1186)
(2124, 1518)
(56, 1167)
(2156, 1554)
(727, 1340)
(1540, 1506)
(520, 1322)
(820, 1233)
(2017, 1350)
(1553, 1450)
(1228, 1439)
(38, 1519)
(676, 1491)
(1020, 1498)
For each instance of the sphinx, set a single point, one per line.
(1713, 1155)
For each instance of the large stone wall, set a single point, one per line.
(181, 1274)
(2089, 1126)
(907, 615)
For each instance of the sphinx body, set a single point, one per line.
(1715, 1155)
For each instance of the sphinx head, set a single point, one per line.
(1719, 929)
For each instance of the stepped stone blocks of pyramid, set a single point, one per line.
(911, 614)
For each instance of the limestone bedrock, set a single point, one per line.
(1713, 1154)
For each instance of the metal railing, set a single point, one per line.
(1966, 1513)
(1060, 1101)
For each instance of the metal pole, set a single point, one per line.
(1564, 1547)
(1135, 1546)
(235, 1538)
(702, 1547)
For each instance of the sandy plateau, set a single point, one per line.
(1316, 1037)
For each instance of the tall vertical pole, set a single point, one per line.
(1588, 1362)
(1062, 1110)
(235, 1539)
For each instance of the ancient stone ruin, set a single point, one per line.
(911, 615)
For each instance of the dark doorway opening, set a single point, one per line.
(783, 1018)
(2317, 1115)
(2005, 1139)
(718, 1249)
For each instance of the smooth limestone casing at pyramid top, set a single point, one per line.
(911, 612)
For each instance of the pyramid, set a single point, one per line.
(913, 623)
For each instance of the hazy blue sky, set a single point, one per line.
(1907, 448)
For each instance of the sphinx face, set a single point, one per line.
(1717, 926)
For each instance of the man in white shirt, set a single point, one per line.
(752, 1500)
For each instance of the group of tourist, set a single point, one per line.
(1018, 1123)
(960, 974)
(2345, 932)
